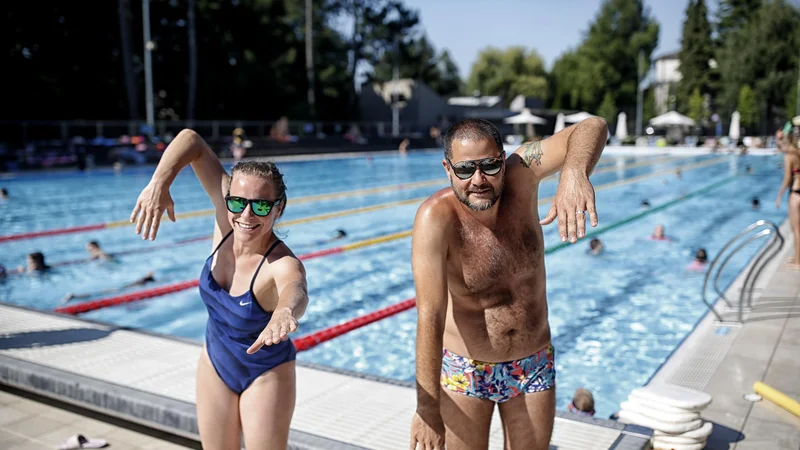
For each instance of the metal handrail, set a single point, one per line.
(724, 263)
(764, 255)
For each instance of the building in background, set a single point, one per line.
(666, 75)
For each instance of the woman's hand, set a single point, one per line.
(152, 202)
(277, 330)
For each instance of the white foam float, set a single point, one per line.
(665, 446)
(649, 422)
(657, 405)
(678, 440)
(669, 417)
(677, 396)
(701, 433)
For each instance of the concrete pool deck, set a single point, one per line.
(725, 359)
(149, 380)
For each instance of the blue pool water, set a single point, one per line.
(615, 318)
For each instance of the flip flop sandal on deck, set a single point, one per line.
(79, 441)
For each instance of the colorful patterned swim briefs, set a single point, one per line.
(499, 382)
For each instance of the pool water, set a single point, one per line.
(615, 317)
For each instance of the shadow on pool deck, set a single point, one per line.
(34, 339)
(722, 437)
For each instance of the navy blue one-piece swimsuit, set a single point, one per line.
(234, 324)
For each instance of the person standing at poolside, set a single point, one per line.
(788, 144)
(478, 261)
(255, 291)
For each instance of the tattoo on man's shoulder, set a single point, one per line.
(533, 152)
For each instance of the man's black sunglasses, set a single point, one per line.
(465, 169)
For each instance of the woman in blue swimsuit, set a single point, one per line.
(254, 289)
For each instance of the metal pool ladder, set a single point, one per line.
(757, 230)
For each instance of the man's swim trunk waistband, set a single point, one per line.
(499, 382)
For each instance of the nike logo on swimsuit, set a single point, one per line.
(244, 304)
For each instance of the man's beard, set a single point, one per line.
(482, 205)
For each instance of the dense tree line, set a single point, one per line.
(213, 59)
(245, 59)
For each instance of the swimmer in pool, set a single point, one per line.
(95, 252)
(700, 261)
(34, 264)
(658, 234)
(255, 291)
(149, 278)
(595, 246)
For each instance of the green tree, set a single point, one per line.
(607, 109)
(607, 59)
(251, 52)
(697, 49)
(376, 24)
(451, 82)
(747, 106)
(565, 87)
(417, 59)
(696, 106)
(649, 105)
(732, 15)
(508, 73)
(791, 102)
(763, 55)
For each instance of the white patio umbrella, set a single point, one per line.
(528, 119)
(622, 126)
(559, 123)
(735, 130)
(578, 117)
(672, 119)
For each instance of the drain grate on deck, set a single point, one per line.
(696, 371)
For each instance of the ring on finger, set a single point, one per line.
(580, 212)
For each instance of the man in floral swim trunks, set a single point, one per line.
(478, 261)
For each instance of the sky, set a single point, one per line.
(550, 27)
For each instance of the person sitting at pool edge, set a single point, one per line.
(149, 278)
(582, 403)
(95, 252)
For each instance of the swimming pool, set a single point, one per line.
(615, 318)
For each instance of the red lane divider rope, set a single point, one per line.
(312, 340)
(317, 254)
(127, 298)
(35, 234)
